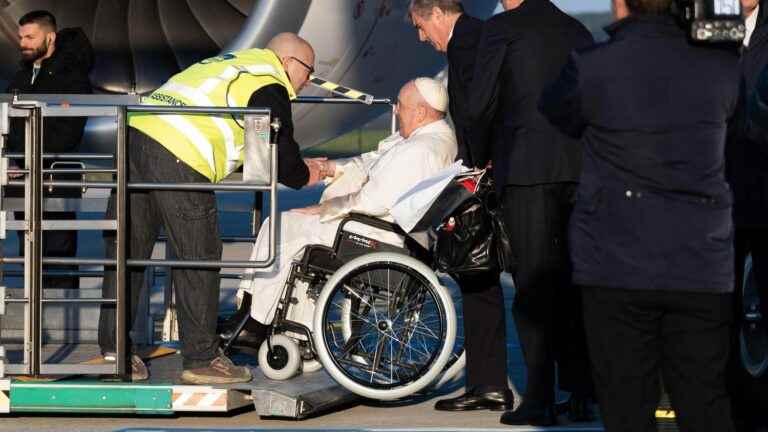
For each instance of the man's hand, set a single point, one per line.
(315, 172)
(311, 210)
(330, 168)
(327, 167)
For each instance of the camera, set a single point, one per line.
(712, 21)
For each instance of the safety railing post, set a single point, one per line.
(121, 280)
(393, 126)
(273, 131)
(33, 238)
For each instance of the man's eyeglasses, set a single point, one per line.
(309, 68)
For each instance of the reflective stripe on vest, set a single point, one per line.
(211, 144)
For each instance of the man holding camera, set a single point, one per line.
(651, 231)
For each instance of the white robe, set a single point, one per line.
(368, 184)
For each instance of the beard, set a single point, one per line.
(30, 55)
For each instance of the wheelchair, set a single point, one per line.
(383, 325)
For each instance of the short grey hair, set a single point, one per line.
(423, 8)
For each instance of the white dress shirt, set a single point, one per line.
(751, 23)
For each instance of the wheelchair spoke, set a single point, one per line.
(375, 315)
(377, 356)
(389, 299)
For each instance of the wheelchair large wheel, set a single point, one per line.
(384, 326)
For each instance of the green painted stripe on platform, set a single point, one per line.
(79, 398)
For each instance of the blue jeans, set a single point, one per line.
(190, 220)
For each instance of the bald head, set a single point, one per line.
(290, 44)
(297, 56)
(413, 109)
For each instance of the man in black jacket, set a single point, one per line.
(746, 162)
(536, 169)
(651, 229)
(446, 27)
(52, 62)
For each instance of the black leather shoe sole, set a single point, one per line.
(447, 407)
(509, 418)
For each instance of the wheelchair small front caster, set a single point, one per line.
(283, 362)
(310, 366)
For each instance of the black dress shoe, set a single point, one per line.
(473, 400)
(530, 414)
(579, 409)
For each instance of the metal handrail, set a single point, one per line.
(163, 109)
(340, 101)
(224, 186)
(71, 156)
(33, 260)
(33, 184)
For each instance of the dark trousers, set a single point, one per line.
(190, 220)
(747, 392)
(546, 309)
(636, 338)
(60, 244)
(485, 337)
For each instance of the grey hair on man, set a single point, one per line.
(423, 8)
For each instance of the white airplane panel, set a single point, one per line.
(388, 55)
(338, 34)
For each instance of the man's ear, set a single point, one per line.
(437, 13)
(423, 112)
(620, 9)
(51, 38)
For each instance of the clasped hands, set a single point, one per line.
(319, 168)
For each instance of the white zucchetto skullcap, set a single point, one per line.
(434, 93)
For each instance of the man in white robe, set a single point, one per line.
(368, 184)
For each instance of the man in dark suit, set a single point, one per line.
(746, 163)
(651, 230)
(536, 169)
(447, 28)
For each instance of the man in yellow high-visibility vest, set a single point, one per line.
(196, 148)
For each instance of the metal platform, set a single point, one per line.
(163, 394)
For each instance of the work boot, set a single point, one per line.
(220, 370)
(139, 371)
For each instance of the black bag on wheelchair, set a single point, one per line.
(472, 239)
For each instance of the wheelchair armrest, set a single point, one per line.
(418, 250)
(366, 220)
(372, 221)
